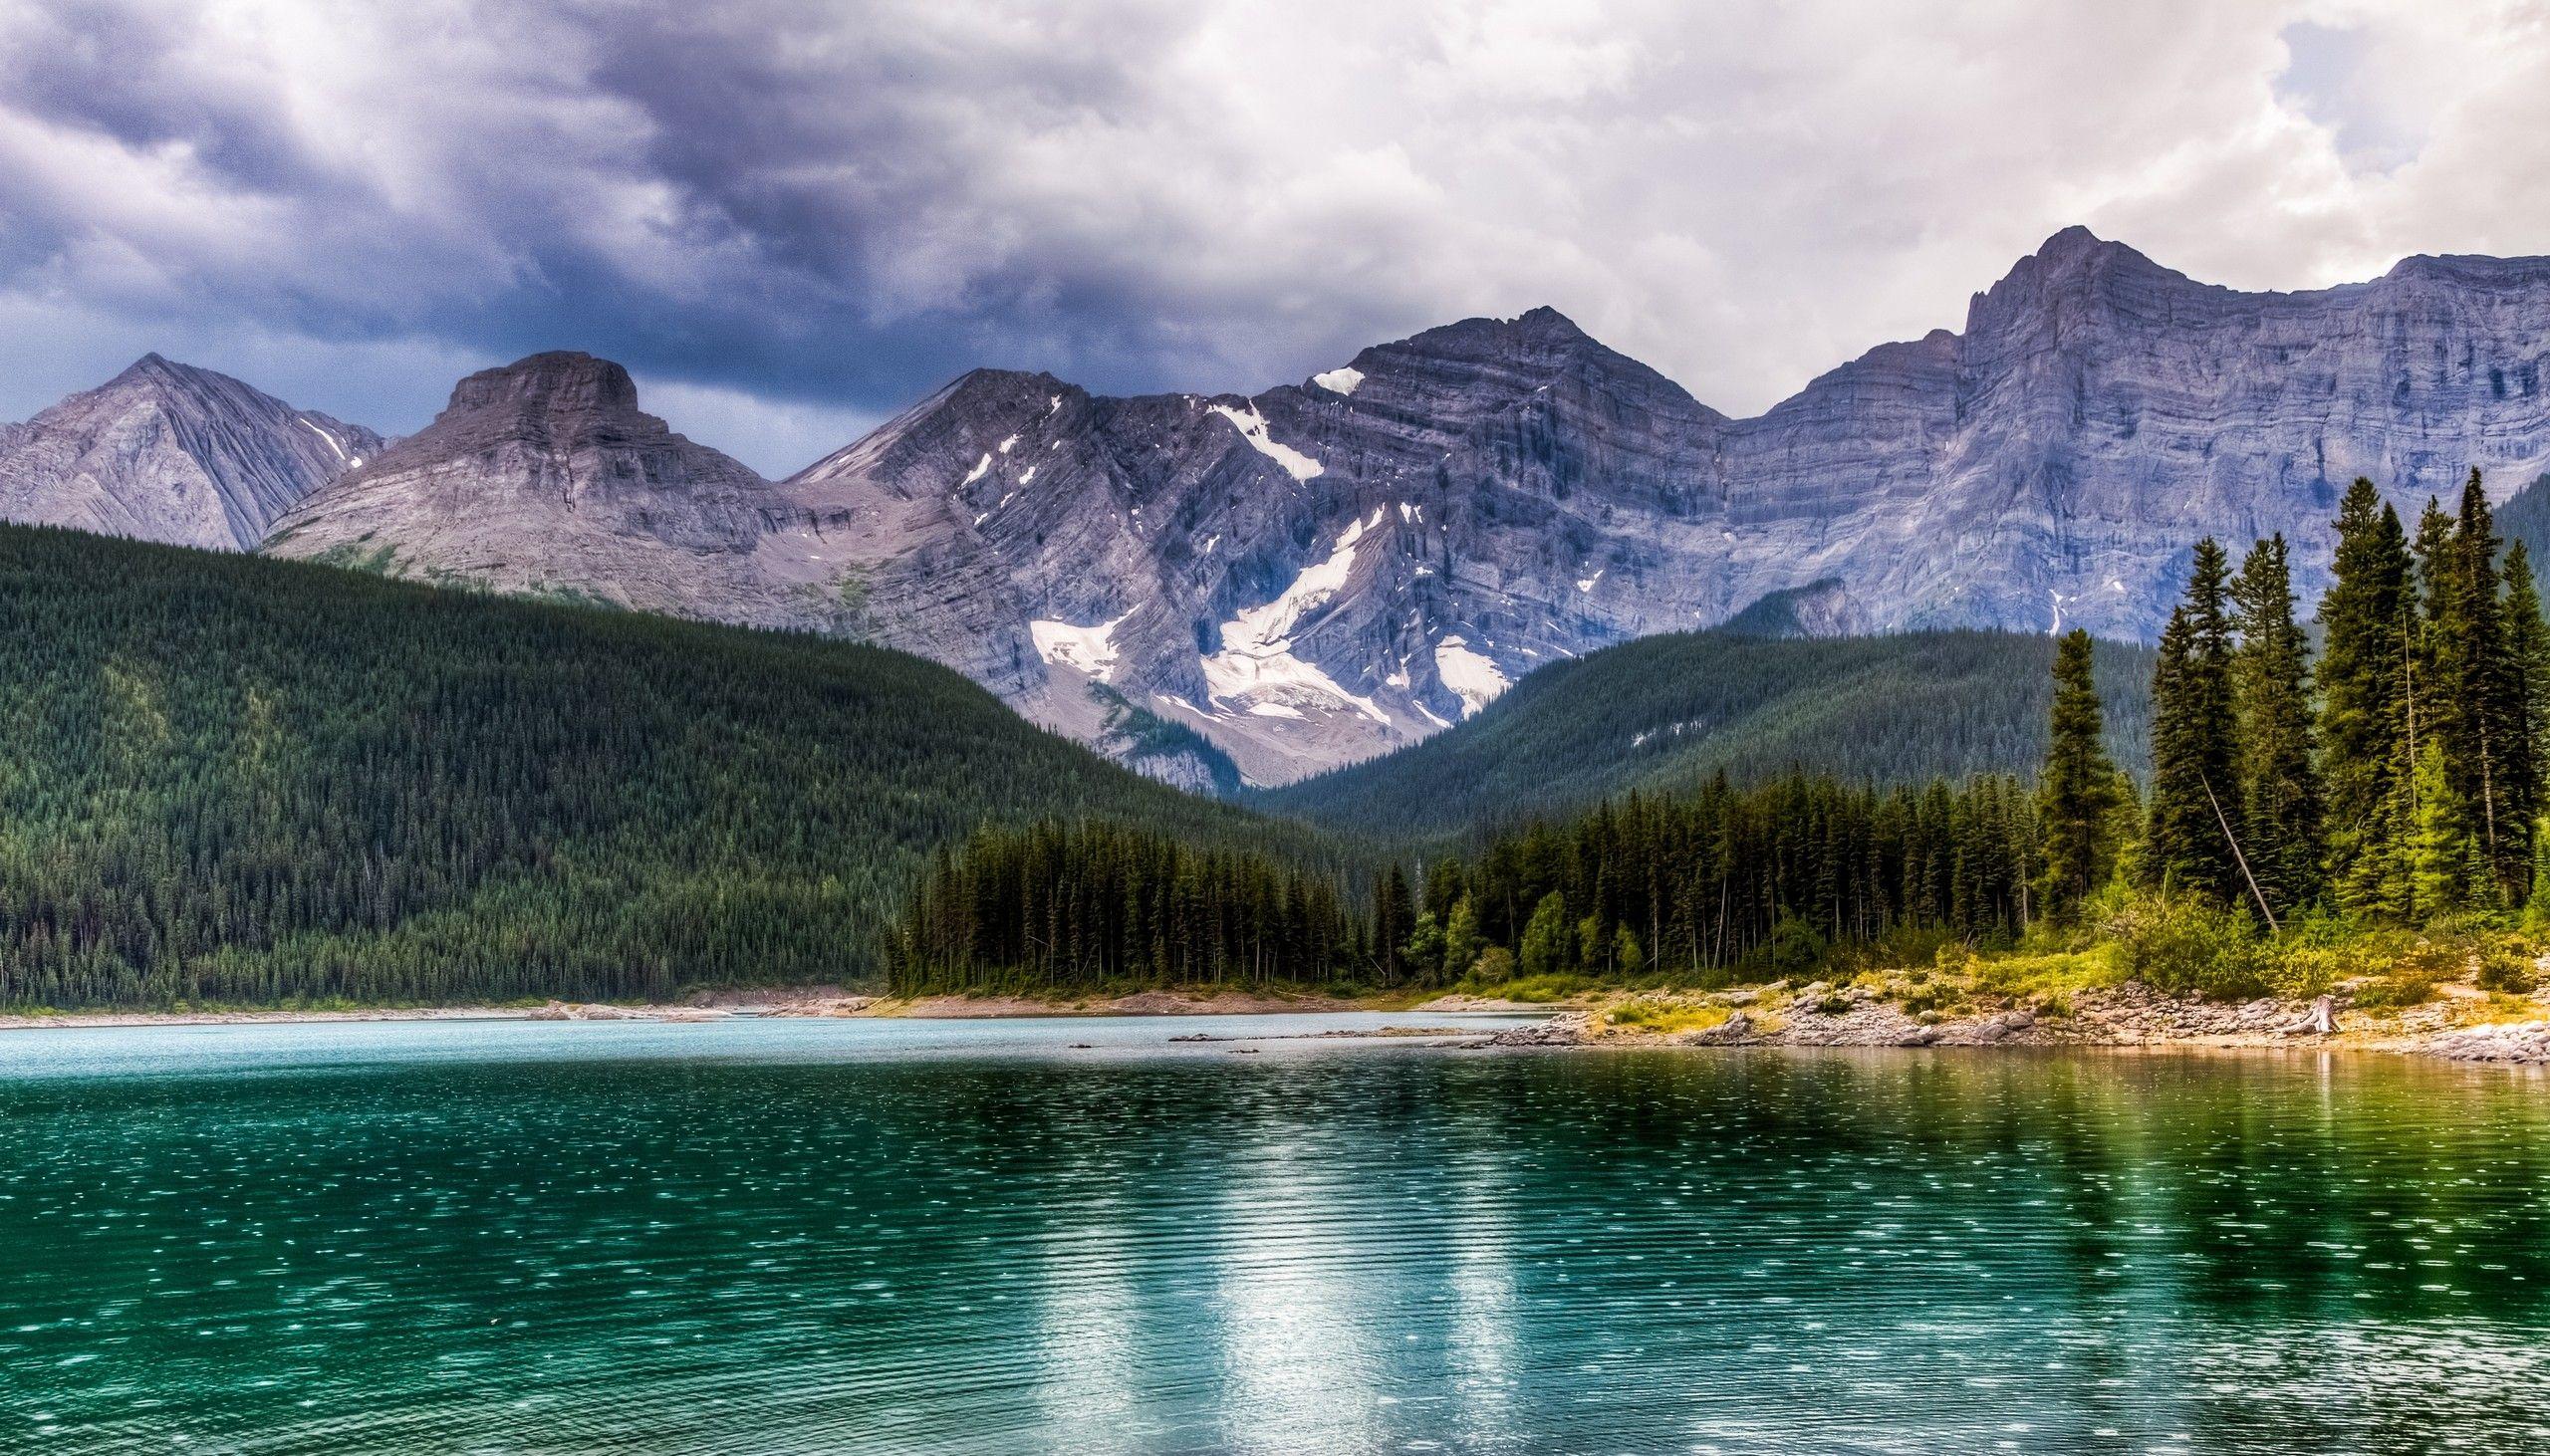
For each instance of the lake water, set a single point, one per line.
(819, 1236)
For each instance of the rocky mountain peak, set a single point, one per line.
(151, 366)
(563, 383)
(156, 375)
(2070, 244)
(2076, 259)
(543, 476)
(1546, 322)
(166, 452)
(1460, 372)
(2074, 278)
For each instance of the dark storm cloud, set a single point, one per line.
(792, 218)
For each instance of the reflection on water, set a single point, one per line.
(807, 1237)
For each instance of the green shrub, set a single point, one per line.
(2192, 947)
(2397, 990)
(2502, 969)
(1554, 987)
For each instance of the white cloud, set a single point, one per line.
(775, 200)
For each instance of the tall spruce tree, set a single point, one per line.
(2496, 762)
(1394, 920)
(2080, 790)
(2280, 799)
(2472, 696)
(2194, 785)
(2528, 654)
(2367, 621)
(2438, 814)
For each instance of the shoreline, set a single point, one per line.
(781, 1004)
(2462, 1024)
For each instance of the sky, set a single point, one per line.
(791, 219)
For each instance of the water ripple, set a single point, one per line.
(924, 1238)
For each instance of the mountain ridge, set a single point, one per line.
(1323, 571)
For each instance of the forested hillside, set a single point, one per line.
(2525, 517)
(235, 779)
(1666, 713)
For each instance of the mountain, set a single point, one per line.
(543, 477)
(239, 780)
(1325, 571)
(170, 453)
(1264, 586)
(1310, 576)
(1666, 713)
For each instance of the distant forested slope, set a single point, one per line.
(1667, 712)
(235, 779)
(2525, 517)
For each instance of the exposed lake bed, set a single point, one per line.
(1084, 1233)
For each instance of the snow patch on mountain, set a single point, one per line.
(1090, 649)
(1257, 666)
(1472, 677)
(1252, 427)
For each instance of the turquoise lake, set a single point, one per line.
(977, 1236)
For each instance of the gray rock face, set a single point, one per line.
(1314, 575)
(170, 453)
(1329, 569)
(543, 477)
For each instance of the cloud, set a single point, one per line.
(794, 218)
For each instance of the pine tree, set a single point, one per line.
(2194, 787)
(1392, 923)
(2528, 650)
(2469, 700)
(2079, 790)
(2528, 659)
(2280, 802)
(2439, 859)
(2369, 620)
(2490, 771)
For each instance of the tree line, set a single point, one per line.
(1710, 884)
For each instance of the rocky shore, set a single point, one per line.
(2461, 1024)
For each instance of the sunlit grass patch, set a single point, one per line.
(1661, 1017)
(1536, 989)
(2049, 975)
